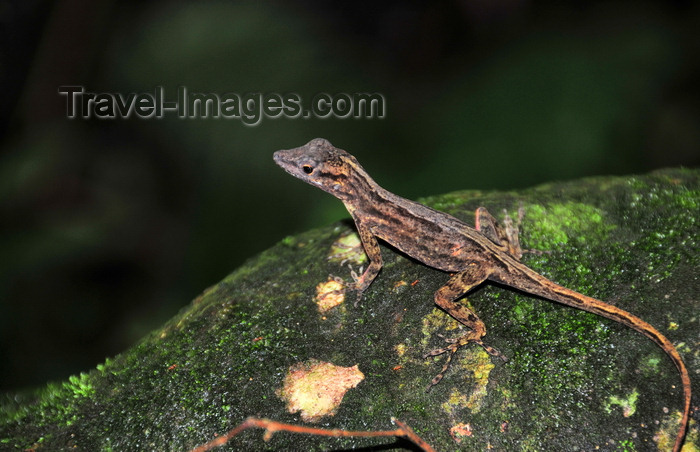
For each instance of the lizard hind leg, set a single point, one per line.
(506, 236)
(445, 298)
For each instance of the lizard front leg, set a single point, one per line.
(374, 254)
(445, 298)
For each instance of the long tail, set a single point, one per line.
(530, 281)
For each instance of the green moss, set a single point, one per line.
(450, 202)
(58, 403)
(628, 404)
(626, 446)
(560, 223)
(650, 366)
(560, 350)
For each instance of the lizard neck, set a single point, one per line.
(360, 190)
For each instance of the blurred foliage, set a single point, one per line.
(109, 227)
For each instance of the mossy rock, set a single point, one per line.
(574, 381)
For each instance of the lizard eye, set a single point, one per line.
(308, 169)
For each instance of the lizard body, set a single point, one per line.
(446, 243)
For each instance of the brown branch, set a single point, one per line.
(271, 427)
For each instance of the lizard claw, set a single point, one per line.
(357, 284)
(339, 280)
(359, 297)
(354, 275)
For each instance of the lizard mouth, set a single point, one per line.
(283, 160)
(288, 160)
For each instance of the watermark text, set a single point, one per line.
(249, 108)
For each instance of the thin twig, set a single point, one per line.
(271, 427)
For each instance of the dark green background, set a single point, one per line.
(110, 226)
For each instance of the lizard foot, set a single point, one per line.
(358, 283)
(451, 349)
(354, 286)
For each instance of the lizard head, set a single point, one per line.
(321, 164)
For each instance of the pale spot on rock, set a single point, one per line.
(460, 431)
(316, 389)
(329, 294)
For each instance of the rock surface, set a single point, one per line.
(574, 381)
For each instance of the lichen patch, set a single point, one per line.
(476, 366)
(348, 249)
(329, 294)
(316, 388)
(436, 321)
(400, 349)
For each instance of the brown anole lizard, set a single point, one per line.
(446, 243)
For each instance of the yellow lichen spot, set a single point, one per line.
(476, 366)
(400, 349)
(459, 431)
(480, 363)
(329, 294)
(455, 401)
(665, 437)
(348, 249)
(399, 284)
(316, 389)
(434, 323)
